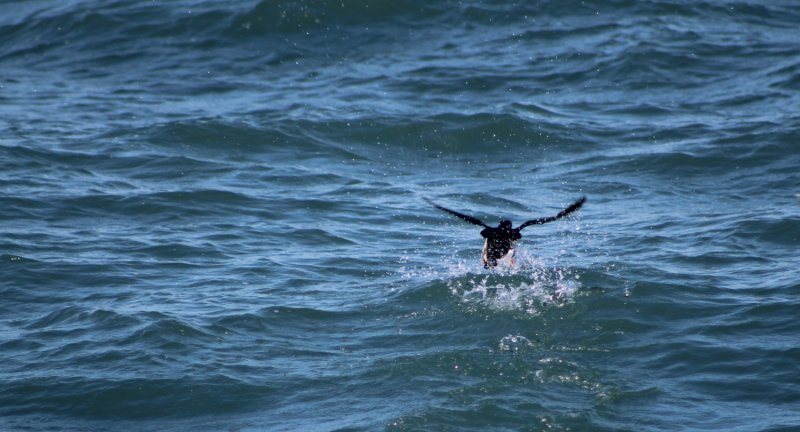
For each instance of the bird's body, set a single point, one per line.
(499, 244)
(500, 240)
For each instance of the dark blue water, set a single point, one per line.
(212, 215)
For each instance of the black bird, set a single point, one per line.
(500, 241)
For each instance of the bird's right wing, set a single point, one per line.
(467, 218)
(563, 213)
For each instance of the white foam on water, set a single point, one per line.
(529, 285)
(514, 343)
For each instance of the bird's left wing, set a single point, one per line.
(467, 218)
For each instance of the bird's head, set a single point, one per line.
(505, 224)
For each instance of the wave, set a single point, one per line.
(132, 398)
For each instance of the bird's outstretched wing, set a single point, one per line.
(469, 219)
(565, 212)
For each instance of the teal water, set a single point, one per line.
(211, 216)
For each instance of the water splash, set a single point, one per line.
(528, 286)
(514, 343)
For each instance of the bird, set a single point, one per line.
(500, 240)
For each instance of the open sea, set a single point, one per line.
(212, 215)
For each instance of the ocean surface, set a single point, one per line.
(212, 215)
